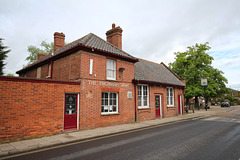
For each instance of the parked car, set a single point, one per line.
(225, 104)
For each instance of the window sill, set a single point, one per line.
(143, 108)
(111, 79)
(171, 106)
(110, 113)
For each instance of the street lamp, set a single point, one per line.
(204, 84)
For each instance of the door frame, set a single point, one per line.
(180, 104)
(78, 107)
(160, 99)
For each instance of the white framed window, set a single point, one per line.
(109, 102)
(91, 66)
(170, 97)
(111, 69)
(143, 96)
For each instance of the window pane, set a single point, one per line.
(102, 108)
(114, 95)
(114, 102)
(145, 101)
(139, 101)
(106, 102)
(114, 108)
(139, 90)
(171, 92)
(145, 90)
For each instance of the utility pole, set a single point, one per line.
(205, 98)
(204, 84)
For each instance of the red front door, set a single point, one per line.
(158, 106)
(70, 113)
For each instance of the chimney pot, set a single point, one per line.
(113, 25)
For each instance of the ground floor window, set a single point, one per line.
(109, 102)
(170, 97)
(143, 96)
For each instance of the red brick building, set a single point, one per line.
(107, 87)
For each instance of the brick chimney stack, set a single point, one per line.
(114, 36)
(40, 55)
(59, 40)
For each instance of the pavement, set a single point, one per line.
(67, 137)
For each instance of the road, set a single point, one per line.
(216, 137)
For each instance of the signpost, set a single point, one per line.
(204, 83)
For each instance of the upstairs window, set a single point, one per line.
(111, 69)
(170, 97)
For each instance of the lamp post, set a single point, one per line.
(204, 84)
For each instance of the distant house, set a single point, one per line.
(94, 83)
(234, 93)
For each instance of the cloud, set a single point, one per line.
(152, 30)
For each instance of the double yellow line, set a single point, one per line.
(91, 139)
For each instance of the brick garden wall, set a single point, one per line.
(31, 107)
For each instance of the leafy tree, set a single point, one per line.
(195, 64)
(10, 74)
(33, 50)
(3, 56)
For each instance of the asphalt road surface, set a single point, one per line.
(214, 138)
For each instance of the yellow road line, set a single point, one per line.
(92, 139)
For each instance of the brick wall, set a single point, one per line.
(30, 107)
(150, 113)
(90, 104)
(76, 66)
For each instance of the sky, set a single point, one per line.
(152, 29)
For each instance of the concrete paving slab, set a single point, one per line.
(6, 147)
(29, 143)
(18, 145)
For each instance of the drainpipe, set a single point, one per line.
(51, 70)
(135, 91)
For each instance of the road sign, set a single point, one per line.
(203, 81)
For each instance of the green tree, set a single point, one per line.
(10, 74)
(3, 56)
(45, 48)
(195, 64)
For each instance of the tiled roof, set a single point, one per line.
(90, 40)
(95, 42)
(153, 72)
